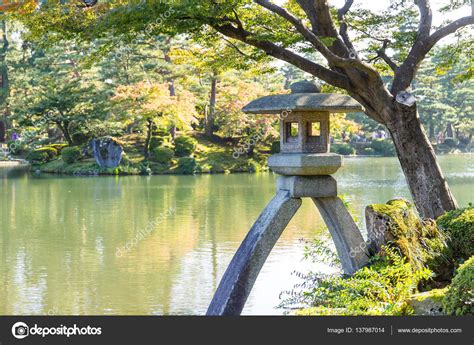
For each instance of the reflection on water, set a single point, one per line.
(59, 236)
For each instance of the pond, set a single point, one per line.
(159, 245)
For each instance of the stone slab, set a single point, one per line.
(304, 164)
(308, 186)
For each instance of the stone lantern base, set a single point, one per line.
(243, 270)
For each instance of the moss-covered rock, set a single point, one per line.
(396, 222)
(428, 302)
(459, 226)
(459, 299)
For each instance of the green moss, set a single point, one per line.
(435, 294)
(321, 311)
(459, 225)
(459, 299)
(420, 241)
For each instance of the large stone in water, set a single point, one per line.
(107, 152)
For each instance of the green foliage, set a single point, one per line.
(368, 151)
(184, 146)
(71, 154)
(57, 147)
(460, 296)
(419, 240)
(156, 142)
(451, 142)
(16, 147)
(42, 155)
(459, 226)
(342, 149)
(383, 147)
(275, 147)
(81, 137)
(187, 166)
(382, 288)
(161, 155)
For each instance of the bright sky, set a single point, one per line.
(380, 5)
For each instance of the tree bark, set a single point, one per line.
(4, 82)
(149, 129)
(64, 127)
(210, 121)
(423, 174)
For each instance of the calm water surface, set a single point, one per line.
(62, 238)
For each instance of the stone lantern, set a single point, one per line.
(304, 165)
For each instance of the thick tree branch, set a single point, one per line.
(322, 24)
(406, 72)
(426, 18)
(450, 28)
(332, 58)
(281, 53)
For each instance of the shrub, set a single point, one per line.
(184, 146)
(42, 155)
(70, 154)
(275, 147)
(342, 149)
(57, 147)
(458, 299)
(81, 137)
(161, 132)
(161, 155)
(187, 166)
(368, 151)
(125, 161)
(156, 142)
(451, 142)
(16, 147)
(383, 147)
(459, 226)
(382, 288)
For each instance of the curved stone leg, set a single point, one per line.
(350, 244)
(243, 270)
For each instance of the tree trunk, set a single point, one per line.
(64, 127)
(212, 108)
(4, 82)
(149, 129)
(425, 179)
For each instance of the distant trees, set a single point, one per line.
(52, 90)
(446, 99)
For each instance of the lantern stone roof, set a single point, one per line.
(304, 97)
